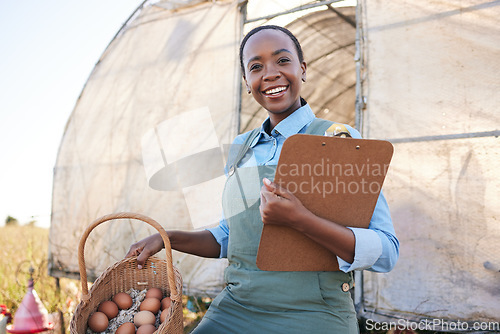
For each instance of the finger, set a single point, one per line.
(142, 258)
(263, 207)
(133, 251)
(268, 184)
(267, 196)
(263, 199)
(277, 189)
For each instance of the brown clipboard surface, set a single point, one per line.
(335, 178)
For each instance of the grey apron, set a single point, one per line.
(256, 301)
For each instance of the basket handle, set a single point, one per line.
(174, 295)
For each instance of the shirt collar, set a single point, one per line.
(290, 125)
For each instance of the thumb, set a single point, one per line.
(270, 186)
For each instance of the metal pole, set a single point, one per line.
(293, 10)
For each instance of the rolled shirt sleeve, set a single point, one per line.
(221, 234)
(377, 248)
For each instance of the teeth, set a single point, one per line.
(275, 90)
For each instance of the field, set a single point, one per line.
(25, 246)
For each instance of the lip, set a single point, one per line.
(277, 95)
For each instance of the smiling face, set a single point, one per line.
(273, 72)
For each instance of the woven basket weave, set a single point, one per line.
(124, 275)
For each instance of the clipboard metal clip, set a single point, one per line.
(337, 130)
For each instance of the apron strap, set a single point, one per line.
(233, 163)
(318, 127)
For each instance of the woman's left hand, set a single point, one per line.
(278, 206)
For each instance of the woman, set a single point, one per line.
(256, 301)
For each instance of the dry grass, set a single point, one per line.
(25, 246)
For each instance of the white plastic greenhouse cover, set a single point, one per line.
(426, 79)
(430, 85)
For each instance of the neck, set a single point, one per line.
(275, 118)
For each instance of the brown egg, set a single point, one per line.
(109, 308)
(144, 318)
(154, 293)
(146, 329)
(164, 314)
(122, 300)
(126, 328)
(165, 303)
(150, 304)
(98, 322)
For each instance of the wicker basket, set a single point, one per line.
(124, 275)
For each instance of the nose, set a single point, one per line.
(271, 73)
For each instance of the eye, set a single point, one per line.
(283, 60)
(255, 67)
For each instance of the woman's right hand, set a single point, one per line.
(199, 243)
(145, 248)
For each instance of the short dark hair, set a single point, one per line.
(257, 29)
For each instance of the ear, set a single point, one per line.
(246, 84)
(303, 66)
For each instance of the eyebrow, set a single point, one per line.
(277, 52)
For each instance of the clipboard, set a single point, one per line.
(335, 178)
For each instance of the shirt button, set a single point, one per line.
(345, 287)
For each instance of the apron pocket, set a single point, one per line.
(277, 291)
(332, 287)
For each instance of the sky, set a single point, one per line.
(48, 50)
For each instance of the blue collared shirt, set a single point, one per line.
(376, 249)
